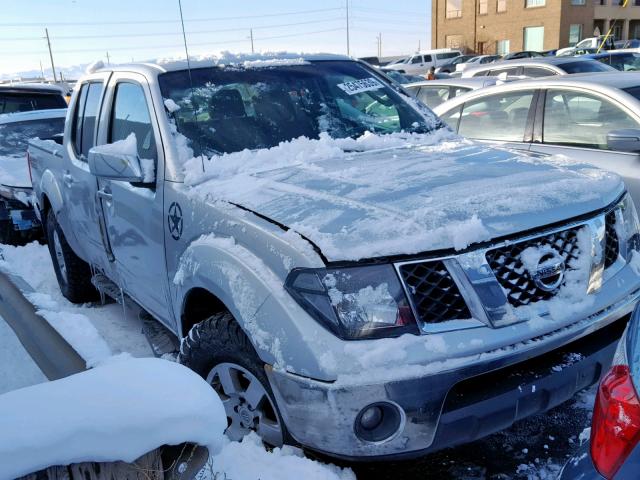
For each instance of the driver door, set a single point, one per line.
(132, 213)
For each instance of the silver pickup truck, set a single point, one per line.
(347, 273)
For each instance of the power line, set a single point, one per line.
(164, 34)
(191, 44)
(138, 22)
(386, 12)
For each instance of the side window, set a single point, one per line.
(581, 120)
(416, 59)
(456, 91)
(130, 114)
(433, 96)
(452, 117)
(76, 134)
(427, 58)
(84, 119)
(508, 71)
(482, 73)
(535, 72)
(497, 117)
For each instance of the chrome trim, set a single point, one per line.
(480, 289)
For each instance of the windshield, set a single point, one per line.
(233, 108)
(584, 66)
(14, 136)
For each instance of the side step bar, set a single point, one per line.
(162, 341)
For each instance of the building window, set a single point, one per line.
(534, 38)
(578, 2)
(534, 3)
(502, 6)
(502, 47)
(599, 2)
(454, 9)
(483, 7)
(575, 34)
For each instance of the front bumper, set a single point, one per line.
(458, 405)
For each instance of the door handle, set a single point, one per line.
(105, 195)
(67, 179)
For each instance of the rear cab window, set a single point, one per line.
(84, 119)
(14, 136)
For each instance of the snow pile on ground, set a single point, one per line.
(95, 332)
(398, 193)
(287, 463)
(118, 411)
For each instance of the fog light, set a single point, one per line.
(371, 417)
(379, 422)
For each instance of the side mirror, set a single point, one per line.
(106, 162)
(624, 140)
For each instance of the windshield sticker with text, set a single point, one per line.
(357, 86)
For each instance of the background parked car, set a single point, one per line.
(603, 42)
(26, 111)
(623, 60)
(420, 62)
(403, 78)
(523, 54)
(434, 92)
(614, 449)
(478, 60)
(591, 118)
(632, 43)
(453, 65)
(538, 67)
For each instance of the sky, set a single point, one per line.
(83, 31)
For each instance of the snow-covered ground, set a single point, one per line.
(100, 332)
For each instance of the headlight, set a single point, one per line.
(630, 228)
(354, 302)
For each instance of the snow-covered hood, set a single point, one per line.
(395, 201)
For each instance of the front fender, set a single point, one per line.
(238, 278)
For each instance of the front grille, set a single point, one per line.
(512, 275)
(435, 295)
(612, 245)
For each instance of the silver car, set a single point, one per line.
(434, 92)
(538, 67)
(591, 118)
(360, 294)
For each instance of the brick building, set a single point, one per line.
(503, 26)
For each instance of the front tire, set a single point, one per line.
(73, 273)
(220, 352)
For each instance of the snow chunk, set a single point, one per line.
(171, 105)
(114, 412)
(94, 67)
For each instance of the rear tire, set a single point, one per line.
(73, 273)
(220, 352)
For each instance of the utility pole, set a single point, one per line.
(379, 38)
(348, 48)
(53, 67)
(251, 37)
(108, 59)
(42, 71)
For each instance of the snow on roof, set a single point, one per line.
(118, 411)
(247, 60)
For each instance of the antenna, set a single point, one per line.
(186, 51)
